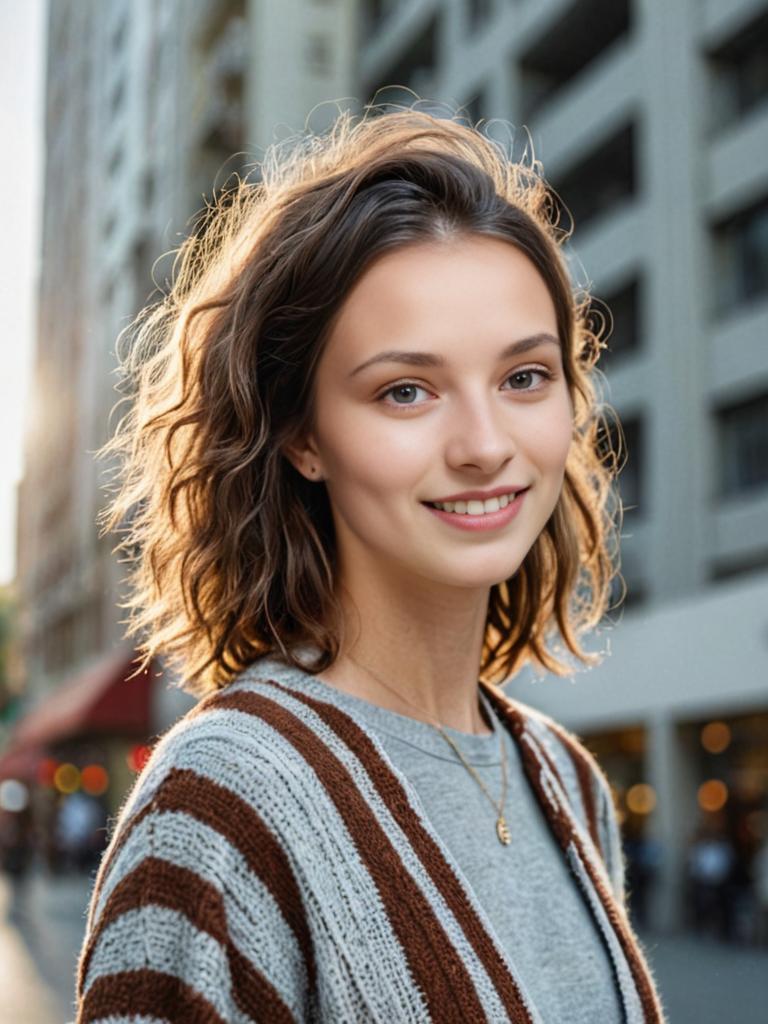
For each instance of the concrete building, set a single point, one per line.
(651, 121)
(150, 107)
(106, 141)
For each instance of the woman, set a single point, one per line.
(363, 478)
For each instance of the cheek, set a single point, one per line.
(373, 457)
(550, 438)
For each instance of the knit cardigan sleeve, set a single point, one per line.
(589, 792)
(194, 913)
(610, 838)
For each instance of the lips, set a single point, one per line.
(483, 495)
(511, 494)
(479, 523)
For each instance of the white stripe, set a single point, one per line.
(629, 994)
(140, 938)
(251, 910)
(133, 1019)
(556, 749)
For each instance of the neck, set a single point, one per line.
(412, 650)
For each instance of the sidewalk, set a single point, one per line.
(41, 931)
(704, 981)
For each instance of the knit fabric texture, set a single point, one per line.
(272, 864)
(526, 889)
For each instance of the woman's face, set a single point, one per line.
(462, 415)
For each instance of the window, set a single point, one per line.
(110, 223)
(634, 498)
(114, 162)
(739, 73)
(741, 258)
(584, 31)
(623, 317)
(478, 13)
(319, 51)
(627, 459)
(148, 187)
(743, 448)
(601, 182)
(374, 13)
(119, 33)
(117, 95)
(474, 108)
(413, 67)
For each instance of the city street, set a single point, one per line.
(40, 936)
(701, 982)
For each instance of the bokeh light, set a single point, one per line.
(66, 778)
(716, 737)
(14, 795)
(94, 779)
(46, 771)
(138, 756)
(641, 798)
(712, 795)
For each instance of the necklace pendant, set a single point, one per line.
(502, 831)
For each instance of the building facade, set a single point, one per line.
(150, 107)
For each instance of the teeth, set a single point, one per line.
(475, 508)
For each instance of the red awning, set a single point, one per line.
(21, 763)
(101, 700)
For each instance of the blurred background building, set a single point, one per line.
(651, 121)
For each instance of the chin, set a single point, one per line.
(474, 578)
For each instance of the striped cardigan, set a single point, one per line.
(271, 864)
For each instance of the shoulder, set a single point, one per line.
(198, 850)
(231, 751)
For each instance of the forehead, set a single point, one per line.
(440, 293)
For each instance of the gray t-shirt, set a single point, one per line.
(525, 888)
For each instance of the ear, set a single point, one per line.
(304, 458)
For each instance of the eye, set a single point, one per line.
(408, 386)
(526, 371)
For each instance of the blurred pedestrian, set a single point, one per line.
(643, 857)
(78, 839)
(711, 859)
(16, 853)
(760, 885)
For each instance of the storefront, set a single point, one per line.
(74, 755)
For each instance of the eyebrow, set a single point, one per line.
(430, 359)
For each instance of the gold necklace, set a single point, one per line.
(502, 829)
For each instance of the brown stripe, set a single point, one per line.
(586, 769)
(438, 970)
(107, 860)
(157, 882)
(130, 993)
(220, 808)
(566, 835)
(395, 798)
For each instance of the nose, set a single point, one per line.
(481, 436)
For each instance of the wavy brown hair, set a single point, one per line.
(231, 550)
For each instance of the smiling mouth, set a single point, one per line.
(476, 507)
